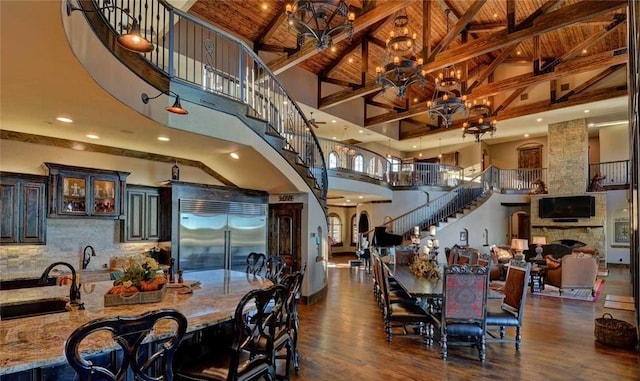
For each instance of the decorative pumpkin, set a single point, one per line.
(120, 289)
(149, 285)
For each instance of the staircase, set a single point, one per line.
(220, 72)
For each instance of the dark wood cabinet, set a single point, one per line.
(23, 209)
(143, 214)
(85, 192)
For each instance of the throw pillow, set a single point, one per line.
(503, 255)
(552, 263)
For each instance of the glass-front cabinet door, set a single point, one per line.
(104, 197)
(74, 195)
(85, 192)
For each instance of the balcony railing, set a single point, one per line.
(616, 173)
(207, 58)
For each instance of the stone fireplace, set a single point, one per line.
(568, 175)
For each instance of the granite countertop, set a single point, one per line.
(38, 341)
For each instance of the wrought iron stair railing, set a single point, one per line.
(189, 51)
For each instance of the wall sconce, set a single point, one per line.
(176, 108)
(132, 40)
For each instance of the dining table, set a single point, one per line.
(426, 289)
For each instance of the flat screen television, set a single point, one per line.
(567, 207)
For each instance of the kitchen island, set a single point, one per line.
(33, 343)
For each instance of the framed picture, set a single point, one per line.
(463, 236)
(621, 231)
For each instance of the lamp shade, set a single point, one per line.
(539, 240)
(519, 244)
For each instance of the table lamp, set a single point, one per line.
(519, 245)
(539, 241)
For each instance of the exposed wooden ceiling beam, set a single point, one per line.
(459, 27)
(271, 27)
(516, 93)
(551, 21)
(361, 23)
(499, 40)
(515, 112)
(577, 65)
(591, 81)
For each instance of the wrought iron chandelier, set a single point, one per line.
(403, 68)
(482, 125)
(448, 99)
(320, 20)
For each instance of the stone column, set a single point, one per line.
(568, 157)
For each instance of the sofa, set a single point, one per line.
(573, 271)
(461, 255)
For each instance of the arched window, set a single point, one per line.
(334, 160)
(358, 163)
(335, 228)
(354, 231)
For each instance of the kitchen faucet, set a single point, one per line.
(74, 290)
(86, 256)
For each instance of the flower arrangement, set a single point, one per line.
(423, 266)
(142, 273)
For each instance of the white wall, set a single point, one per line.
(617, 209)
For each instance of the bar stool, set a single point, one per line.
(146, 361)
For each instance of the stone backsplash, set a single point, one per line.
(66, 240)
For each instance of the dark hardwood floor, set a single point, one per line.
(342, 338)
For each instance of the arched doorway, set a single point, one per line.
(520, 225)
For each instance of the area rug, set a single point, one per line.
(580, 294)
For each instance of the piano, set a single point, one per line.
(383, 239)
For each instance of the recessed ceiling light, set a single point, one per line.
(526, 135)
(264, 6)
(584, 51)
(586, 111)
(163, 138)
(350, 60)
(518, 52)
(64, 119)
(92, 136)
(591, 124)
(334, 138)
(361, 197)
(333, 120)
(234, 155)
(539, 120)
(347, 200)
(415, 146)
(333, 49)
(361, 131)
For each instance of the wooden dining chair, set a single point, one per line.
(251, 354)
(256, 263)
(275, 268)
(512, 309)
(464, 308)
(404, 315)
(147, 361)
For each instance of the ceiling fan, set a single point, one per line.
(313, 122)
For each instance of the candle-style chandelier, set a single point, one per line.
(403, 68)
(447, 99)
(320, 19)
(482, 125)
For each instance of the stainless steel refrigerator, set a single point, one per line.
(219, 235)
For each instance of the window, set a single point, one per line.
(354, 231)
(335, 228)
(334, 160)
(358, 163)
(394, 164)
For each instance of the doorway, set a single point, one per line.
(285, 233)
(520, 225)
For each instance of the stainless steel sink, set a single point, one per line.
(16, 310)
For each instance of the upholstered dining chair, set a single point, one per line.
(464, 308)
(146, 361)
(512, 309)
(256, 263)
(251, 354)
